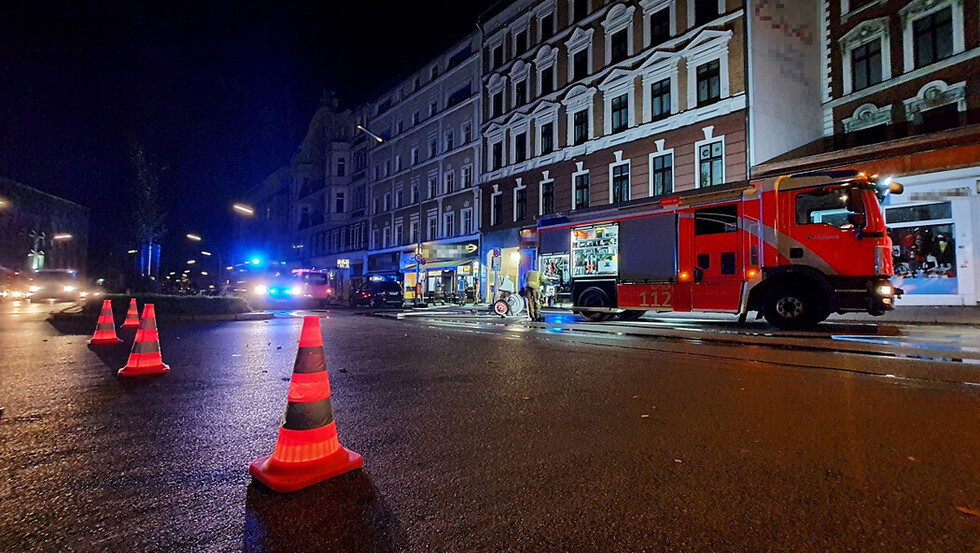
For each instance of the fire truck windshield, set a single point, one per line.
(842, 207)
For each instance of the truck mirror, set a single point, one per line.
(857, 219)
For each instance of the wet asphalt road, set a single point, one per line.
(476, 441)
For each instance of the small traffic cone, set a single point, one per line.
(145, 358)
(105, 329)
(308, 449)
(132, 316)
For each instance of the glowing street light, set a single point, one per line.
(194, 237)
(131, 252)
(191, 261)
(244, 209)
(206, 254)
(62, 236)
(371, 134)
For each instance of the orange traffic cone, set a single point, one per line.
(308, 449)
(105, 329)
(145, 358)
(132, 316)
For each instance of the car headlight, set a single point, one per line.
(69, 288)
(34, 289)
(261, 290)
(296, 290)
(83, 294)
(885, 290)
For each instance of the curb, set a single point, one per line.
(176, 318)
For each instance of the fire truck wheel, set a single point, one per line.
(793, 308)
(594, 297)
(631, 315)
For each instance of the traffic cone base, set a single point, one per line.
(308, 449)
(132, 315)
(105, 328)
(145, 357)
(288, 477)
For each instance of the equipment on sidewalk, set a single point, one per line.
(308, 449)
(145, 358)
(105, 329)
(132, 315)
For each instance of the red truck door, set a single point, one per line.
(717, 258)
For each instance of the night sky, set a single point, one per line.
(219, 93)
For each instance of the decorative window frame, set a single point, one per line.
(713, 46)
(497, 83)
(581, 39)
(619, 161)
(462, 217)
(447, 176)
(493, 212)
(494, 134)
(520, 123)
(579, 97)
(649, 7)
(847, 12)
(519, 73)
(547, 57)
(520, 186)
(661, 151)
(521, 24)
(546, 178)
(865, 32)
(934, 95)
(709, 138)
(918, 9)
(579, 171)
(690, 11)
(660, 66)
(619, 17)
(866, 116)
(431, 215)
(618, 82)
(544, 10)
(544, 113)
(448, 229)
(571, 10)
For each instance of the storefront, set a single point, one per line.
(448, 272)
(933, 227)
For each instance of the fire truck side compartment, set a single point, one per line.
(648, 248)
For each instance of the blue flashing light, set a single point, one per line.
(256, 261)
(273, 291)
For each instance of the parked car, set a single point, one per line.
(57, 285)
(378, 293)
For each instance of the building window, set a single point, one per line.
(870, 135)
(581, 191)
(467, 133)
(932, 37)
(399, 197)
(547, 197)
(940, 118)
(620, 183)
(374, 239)
(866, 64)
(498, 56)
(387, 201)
(497, 104)
(449, 183)
(711, 164)
(580, 9)
(705, 11)
(433, 185)
(547, 79)
(449, 224)
(466, 221)
(339, 206)
(497, 156)
(435, 72)
(709, 83)
(413, 231)
(581, 124)
(547, 138)
(432, 228)
(416, 117)
(398, 163)
(466, 176)
(547, 26)
(399, 235)
(660, 99)
(415, 156)
(450, 141)
(520, 43)
(580, 64)
(520, 204)
(341, 167)
(433, 147)
(620, 113)
(433, 108)
(662, 175)
(659, 26)
(418, 82)
(520, 147)
(620, 45)
(520, 93)
(415, 192)
(497, 209)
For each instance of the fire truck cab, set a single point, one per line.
(793, 249)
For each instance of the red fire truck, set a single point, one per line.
(794, 249)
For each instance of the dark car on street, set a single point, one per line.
(378, 293)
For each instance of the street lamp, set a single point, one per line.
(62, 236)
(371, 134)
(194, 237)
(243, 209)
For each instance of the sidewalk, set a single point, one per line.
(923, 315)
